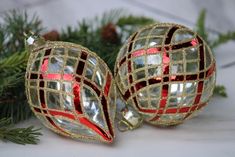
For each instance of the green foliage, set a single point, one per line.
(111, 16)
(13, 60)
(134, 21)
(220, 90)
(200, 25)
(28, 135)
(223, 38)
(11, 70)
(85, 34)
(15, 23)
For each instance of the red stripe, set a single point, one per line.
(165, 87)
(105, 109)
(184, 109)
(82, 120)
(140, 85)
(129, 66)
(201, 66)
(122, 61)
(127, 95)
(103, 102)
(83, 55)
(76, 100)
(107, 85)
(210, 71)
(171, 110)
(37, 110)
(95, 128)
(138, 53)
(33, 76)
(61, 113)
(56, 126)
(56, 113)
(170, 34)
(43, 69)
(153, 50)
(174, 78)
(200, 84)
(193, 42)
(165, 69)
(93, 86)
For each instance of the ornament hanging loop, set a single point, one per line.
(32, 40)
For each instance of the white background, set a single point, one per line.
(212, 133)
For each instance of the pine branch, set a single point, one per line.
(13, 102)
(16, 62)
(78, 34)
(214, 43)
(15, 23)
(28, 135)
(200, 25)
(91, 37)
(12, 70)
(134, 21)
(111, 16)
(220, 90)
(15, 108)
(10, 81)
(13, 60)
(2, 38)
(222, 39)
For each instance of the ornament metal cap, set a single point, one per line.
(128, 118)
(32, 40)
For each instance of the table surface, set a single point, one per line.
(212, 133)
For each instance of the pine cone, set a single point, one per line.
(109, 33)
(52, 35)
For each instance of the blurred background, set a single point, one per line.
(57, 14)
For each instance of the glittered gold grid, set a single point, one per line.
(68, 54)
(182, 61)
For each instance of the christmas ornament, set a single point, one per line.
(71, 90)
(166, 72)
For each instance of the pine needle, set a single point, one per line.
(200, 25)
(220, 90)
(28, 135)
(223, 38)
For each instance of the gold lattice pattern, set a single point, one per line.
(71, 90)
(167, 72)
